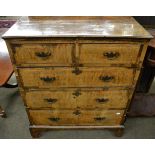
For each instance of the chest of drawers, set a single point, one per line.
(77, 73)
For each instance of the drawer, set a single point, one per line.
(70, 99)
(67, 77)
(76, 117)
(53, 117)
(53, 54)
(101, 117)
(105, 54)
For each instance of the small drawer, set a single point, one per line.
(53, 117)
(101, 117)
(76, 117)
(81, 77)
(71, 99)
(106, 54)
(53, 54)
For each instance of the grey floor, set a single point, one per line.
(16, 124)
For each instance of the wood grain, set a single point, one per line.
(105, 27)
(53, 54)
(44, 117)
(98, 54)
(85, 73)
(70, 99)
(64, 77)
(6, 69)
(67, 117)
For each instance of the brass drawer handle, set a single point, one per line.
(99, 118)
(43, 54)
(111, 55)
(102, 100)
(77, 112)
(54, 119)
(106, 78)
(48, 79)
(50, 100)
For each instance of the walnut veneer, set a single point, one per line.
(77, 72)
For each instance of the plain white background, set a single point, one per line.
(74, 8)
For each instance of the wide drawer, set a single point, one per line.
(70, 77)
(53, 54)
(76, 117)
(105, 54)
(70, 99)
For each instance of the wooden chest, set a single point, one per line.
(77, 72)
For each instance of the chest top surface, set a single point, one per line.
(108, 27)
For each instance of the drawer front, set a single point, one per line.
(102, 54)
(101, 117)
(67, 77)
(71, 99)
(53, 117)
(76, 117)
(53, 54)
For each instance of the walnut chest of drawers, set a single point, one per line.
(77, 73)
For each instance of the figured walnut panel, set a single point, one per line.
(102, 54)
(70, 99)
(76, 117)
(53, 54)
(66, 77)
(101, 117)
(53, 117)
